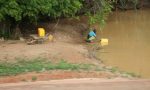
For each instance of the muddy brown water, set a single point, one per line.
(129, 42)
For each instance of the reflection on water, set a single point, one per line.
(129, 41)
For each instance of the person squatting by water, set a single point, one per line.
(91, 35)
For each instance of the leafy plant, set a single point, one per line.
(13, 12)
(98, 11)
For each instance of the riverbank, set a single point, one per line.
(68, 45)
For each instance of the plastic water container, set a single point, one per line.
(50, 37)
(41, 32)
(104, 42)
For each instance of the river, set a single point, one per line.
(129, 41)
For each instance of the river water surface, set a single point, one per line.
(129, 41)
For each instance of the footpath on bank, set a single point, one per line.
(81, 84)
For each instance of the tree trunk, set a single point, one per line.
(16, 33)
(5, 30)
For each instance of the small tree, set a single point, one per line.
(10, 11)
(98, 10)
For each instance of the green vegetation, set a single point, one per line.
(127, 74)
(34, 78)
(15, 12)
(124, 4)
(38, 65)
(116, 70)
(42, 65)
(98, 11)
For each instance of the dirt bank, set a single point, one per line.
(68, 45)
(55, 75)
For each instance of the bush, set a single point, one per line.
(13, 12)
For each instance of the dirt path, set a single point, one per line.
(82, 84)
(55, 75)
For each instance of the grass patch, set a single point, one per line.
(117, 71)
(34, 78)
(129, 74)
(38, 65)
(22, 66)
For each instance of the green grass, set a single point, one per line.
(34, 78)
(38, 65)
(127, 74)
(122, 73)
(22, 66)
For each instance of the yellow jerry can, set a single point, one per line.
(41, 32)
(50, 37)
(104, 42)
